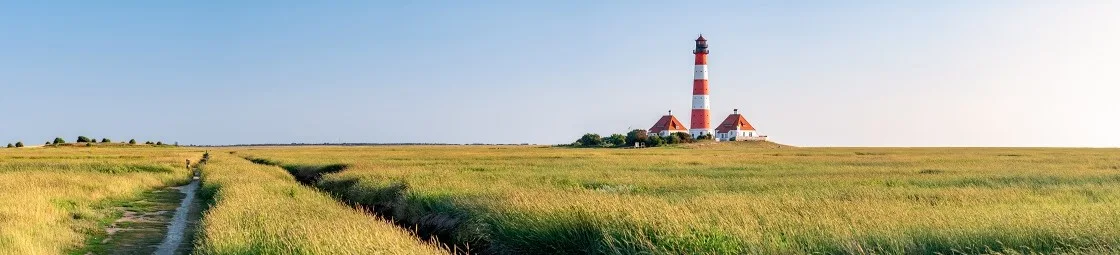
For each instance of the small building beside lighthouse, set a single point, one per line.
(667, 125)
(736, 128)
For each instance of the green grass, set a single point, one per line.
(732, 198)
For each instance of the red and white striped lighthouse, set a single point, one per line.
(701, 115)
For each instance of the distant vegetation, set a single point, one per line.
(635, 138)
(88, 142)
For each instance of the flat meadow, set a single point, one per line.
(728, 198)
(722, 198)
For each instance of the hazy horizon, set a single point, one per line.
(863, 73)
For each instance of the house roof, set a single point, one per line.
(732, 122)
(668, 122)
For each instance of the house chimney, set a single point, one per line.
(670, 112)
(736, 111)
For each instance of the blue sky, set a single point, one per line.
(852, 73)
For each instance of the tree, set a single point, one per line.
(106, 140)
(636, 136)
(591, 140)
(654, 141)
(19, 144)
(11, 146)
(58, 140)
(83, 139)
(132, 141)
(617, 140)
(159, 143)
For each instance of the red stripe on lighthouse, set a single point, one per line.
(699, 87)
(700, 119)
(701, 58)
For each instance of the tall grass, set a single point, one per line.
(735, 198)
(49, 196)
(260, 209)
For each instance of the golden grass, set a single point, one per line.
(262, 210)
(48, 195)
(732, 198)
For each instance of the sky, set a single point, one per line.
(806, 73)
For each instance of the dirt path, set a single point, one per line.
(161, 221)
(181, 224)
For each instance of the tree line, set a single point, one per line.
(635, 138)
(88, 141)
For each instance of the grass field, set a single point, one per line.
(731, 198)
(53, 199)
(263, 210)
(727, 198)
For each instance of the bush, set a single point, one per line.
(684, 137)
(19, 144)
(58, 140)
(159, 143)
(672, 139)
(591, 140)
(83, 139)
(637, 135)
(576, 144)
(654, 141)
(616, 140)
(132, 141)
(89, 145)
(106, 140)
(11, 146)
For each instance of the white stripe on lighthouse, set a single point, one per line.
(701, 102)
(700, 72)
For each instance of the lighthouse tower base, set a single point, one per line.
(696, 133)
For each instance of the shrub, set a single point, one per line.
(159, 143)
(672, 139)
(617, 140)
(89, 145)
(83, 139)
(684, 137)
(637, 135)
(576, 144)
(11, 146)
(19, 144)
(654, 141)
(131, 141)
(590, 139)
(106, 140)
(58, 140)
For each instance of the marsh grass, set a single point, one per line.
(734, 198)
(52, 200)
(258, 209)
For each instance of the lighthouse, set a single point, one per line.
(701, 104)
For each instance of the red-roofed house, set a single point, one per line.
(667, 125)
(735, 127)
